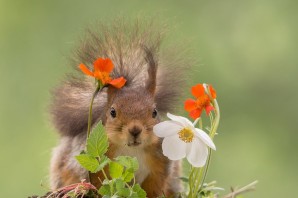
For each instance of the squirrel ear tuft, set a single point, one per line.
(152, 70)
(111, 94)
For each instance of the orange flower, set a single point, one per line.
(102, 70)
(195, 107)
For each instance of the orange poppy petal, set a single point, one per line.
(195, 113)
(212, 92)
(208, 109)
(190, 105)
(85, 70)
(118, 82)
(103, 65)
(198, 90)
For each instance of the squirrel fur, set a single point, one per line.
(155, 79)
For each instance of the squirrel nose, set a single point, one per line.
(135, 131)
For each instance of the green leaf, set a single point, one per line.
(105, 190)
(121, 189)
(133, 195)
(116, 170)
(128, 176)
(119, 183)
(104, 160)
(97, 143)
(140, 192)
(89, 162)
(124, 192)
(184, 179)
(130, 163)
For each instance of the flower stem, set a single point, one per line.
(90, 119)
(201, 124)
(191, 182)
(198, 175)
(196, 121)
(90, 110)
(198, 181)
(206, 170)
(216, 119)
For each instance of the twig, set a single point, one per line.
(247, 188)
(78, 188)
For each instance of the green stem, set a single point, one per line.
(104, 174)
(191, 182)
(201, 173)
(206, 170)
(111, 184)
(99, 87)
(214, 126)
(216, 120)
(198, 181)
(201, 124)
(90, 110)
(196, 121)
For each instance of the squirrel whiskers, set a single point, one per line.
(155, 80)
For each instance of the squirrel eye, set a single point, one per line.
(113, 112)
(154, 113)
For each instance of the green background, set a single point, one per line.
(247, 50)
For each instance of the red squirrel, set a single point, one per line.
(155, 80)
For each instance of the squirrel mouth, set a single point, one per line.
(134, 143)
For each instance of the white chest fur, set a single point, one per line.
(143, 170)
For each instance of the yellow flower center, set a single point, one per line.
(186, 135)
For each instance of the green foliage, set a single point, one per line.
(104, 160)
(127, 176)
(116, 170)
(121, 188)
(89, 162)
(104, 190)
(97, 143)
(130, 163)
(139, 191)
(121, 170)
(184, 179)
(208, 190)
(118, 188)
(93, 159)
(131, 166)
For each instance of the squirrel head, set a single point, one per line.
(130, 118)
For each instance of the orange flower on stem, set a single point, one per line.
(203, 101)
(102, 70)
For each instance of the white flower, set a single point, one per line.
(182, 139)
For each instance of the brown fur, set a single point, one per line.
(154, 81)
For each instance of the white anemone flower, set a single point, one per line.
(182, 139)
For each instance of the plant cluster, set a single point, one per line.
(182, 138)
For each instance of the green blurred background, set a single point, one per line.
(247, 50)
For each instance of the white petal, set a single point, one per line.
(203, 136)
(198, 153)
(184, 121)
(174, 148)
(166, 128)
